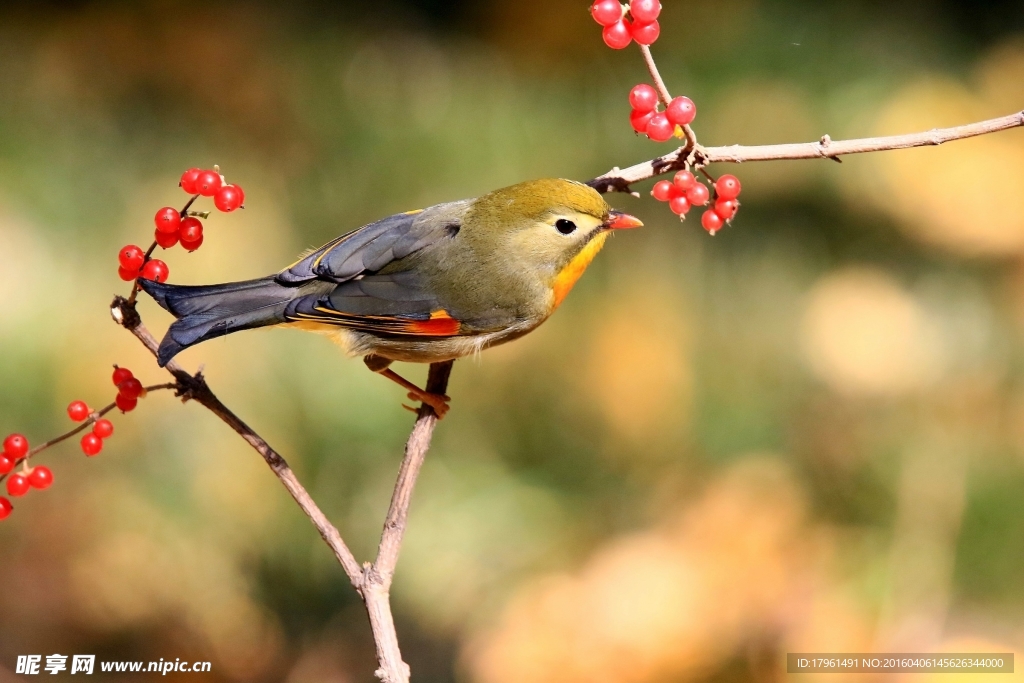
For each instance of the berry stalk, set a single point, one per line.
(89, 421)
(664, 95)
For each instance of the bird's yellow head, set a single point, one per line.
(552, 227)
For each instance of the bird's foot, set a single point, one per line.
(439, 402)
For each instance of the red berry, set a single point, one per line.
(684, 180)
(15, 446)
(5, 508)
(639, 119)
(126, 405)
(663, 191)
(192, 246)
(6, 463)
(208, 183)
(617, 35)
(17, 485)
(728, 187)
(131, 257)
(91, 444)
(645, 11)
(645, 34)
(191, 233)
(40, 477)
(191, 230)
(121, 374)
(155, 270)
(681, 110)
(103, 428)
(711, 221)
(606, 12)
(166, 239)
(643, 98)
(229, 198)
(127, 275)
(679, 205)
(78, 411)
(698, 195)
(726, 208)
(188, 180)
(130, 388)
(658, 128)
(167, 220)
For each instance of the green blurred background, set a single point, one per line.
(803, 434)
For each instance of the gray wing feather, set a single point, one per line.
(393, 294)
(353, 262)
(372, 247)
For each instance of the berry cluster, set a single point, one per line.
(638, 21)
(15, 446)
(659, 125)
(135, 264)
(174, 226)
(18, 484)
(625, 23)
(684, 191)
(129, 390)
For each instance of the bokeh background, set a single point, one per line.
(803, 434)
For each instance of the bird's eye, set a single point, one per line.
(564, 226)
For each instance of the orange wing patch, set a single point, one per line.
(440, 325)
(568, 276)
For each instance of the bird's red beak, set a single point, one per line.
(621, 221)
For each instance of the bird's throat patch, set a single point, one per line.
(568, 276)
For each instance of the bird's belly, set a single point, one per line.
(433, 350)
(416, 350)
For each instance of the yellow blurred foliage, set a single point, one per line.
(964, 197)
(677, 600)
(760, 113)
(639, 372)
(863, 334)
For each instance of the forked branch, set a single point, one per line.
(371, 581)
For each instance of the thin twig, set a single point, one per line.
(664, 95)
(659, 82)
(86, 423)
(371, 581)
(618, 180)
(196, 388)
(378, 576)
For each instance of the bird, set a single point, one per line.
(422, 286)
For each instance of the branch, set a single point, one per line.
(377, 581)
(196, 388)
(372, 582)
(619, 180)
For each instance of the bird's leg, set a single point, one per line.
(382, 366)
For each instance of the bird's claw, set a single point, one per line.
(439, 402)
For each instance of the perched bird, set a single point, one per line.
(422, 286)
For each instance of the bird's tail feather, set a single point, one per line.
(208, 311)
